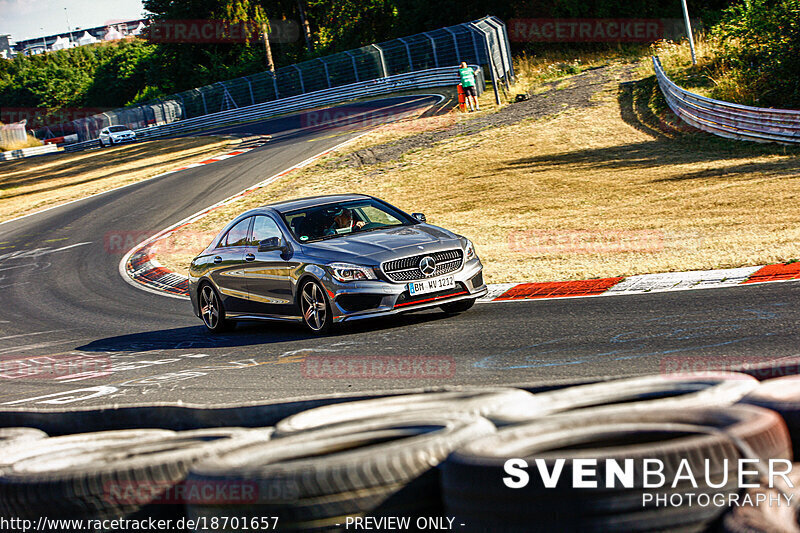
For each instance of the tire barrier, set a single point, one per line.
(108, 475)
(314, 480)
(314, 464)
(781, 395)
(478, 402)
(659, 392)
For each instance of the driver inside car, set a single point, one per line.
(343, 222)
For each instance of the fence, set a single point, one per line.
(733, 121)
(12, 134)
(416, 80)
(482, 42)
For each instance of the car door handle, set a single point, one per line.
(250, 257)
(217, 259)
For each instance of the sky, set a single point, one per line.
(23, 19)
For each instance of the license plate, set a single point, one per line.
(431, 285)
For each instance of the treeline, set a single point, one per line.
(112, 75)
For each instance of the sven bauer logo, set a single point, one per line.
(428, 266)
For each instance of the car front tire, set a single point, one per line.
(212, 311)
(315, 309)
(457, 307)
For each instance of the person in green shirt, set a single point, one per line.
(467, 75)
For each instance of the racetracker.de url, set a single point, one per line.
(202, 523)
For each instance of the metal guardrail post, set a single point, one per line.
(455, 43)
(275, 85)
(300, 75)
(383, 60)
(355, 66)
(433, 46)
(327, 75)
(250, 86)
(475, 46)
(205, 107)
(408, 51)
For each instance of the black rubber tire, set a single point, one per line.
(482, 402)
(617, 396)
(457, 307)
(312, 479)
(93, 475)
(783, 396)
(17, 435)
(319, 296)
(207, 294)
(474, 492)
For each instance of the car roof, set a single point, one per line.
(312, 201)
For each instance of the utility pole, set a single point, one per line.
(44, 43)
(689, 31)
(69, 27)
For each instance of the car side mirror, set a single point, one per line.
(268, 245)
(419, 216)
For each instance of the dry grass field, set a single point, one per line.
(590, 192)
(28, 185)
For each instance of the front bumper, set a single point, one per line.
(369, 299)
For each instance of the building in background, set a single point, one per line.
(6, 52)
(79, 37)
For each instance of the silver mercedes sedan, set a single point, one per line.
(331, 259)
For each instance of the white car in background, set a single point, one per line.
(115, 135)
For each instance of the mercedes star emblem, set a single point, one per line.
(428, 266)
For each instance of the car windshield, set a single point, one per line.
(338, 219)
(117, 129)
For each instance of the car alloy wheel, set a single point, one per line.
(211, 310)
(315, 309)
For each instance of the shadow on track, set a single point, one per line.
(247, 334)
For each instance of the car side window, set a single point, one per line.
(264, 228)
(237, 235)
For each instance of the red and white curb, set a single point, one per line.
(645, 283)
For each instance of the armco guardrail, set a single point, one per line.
(28, 152)
(729, 120)
(424, 79)
(482, 42)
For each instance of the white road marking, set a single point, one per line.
(30, 334)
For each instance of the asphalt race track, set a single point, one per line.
(64, 300)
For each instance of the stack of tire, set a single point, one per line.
(427, 455)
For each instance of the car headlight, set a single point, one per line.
(469, 251)
(350, 272)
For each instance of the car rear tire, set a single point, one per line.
(212, 311)
(457, 307)
(315, 308)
